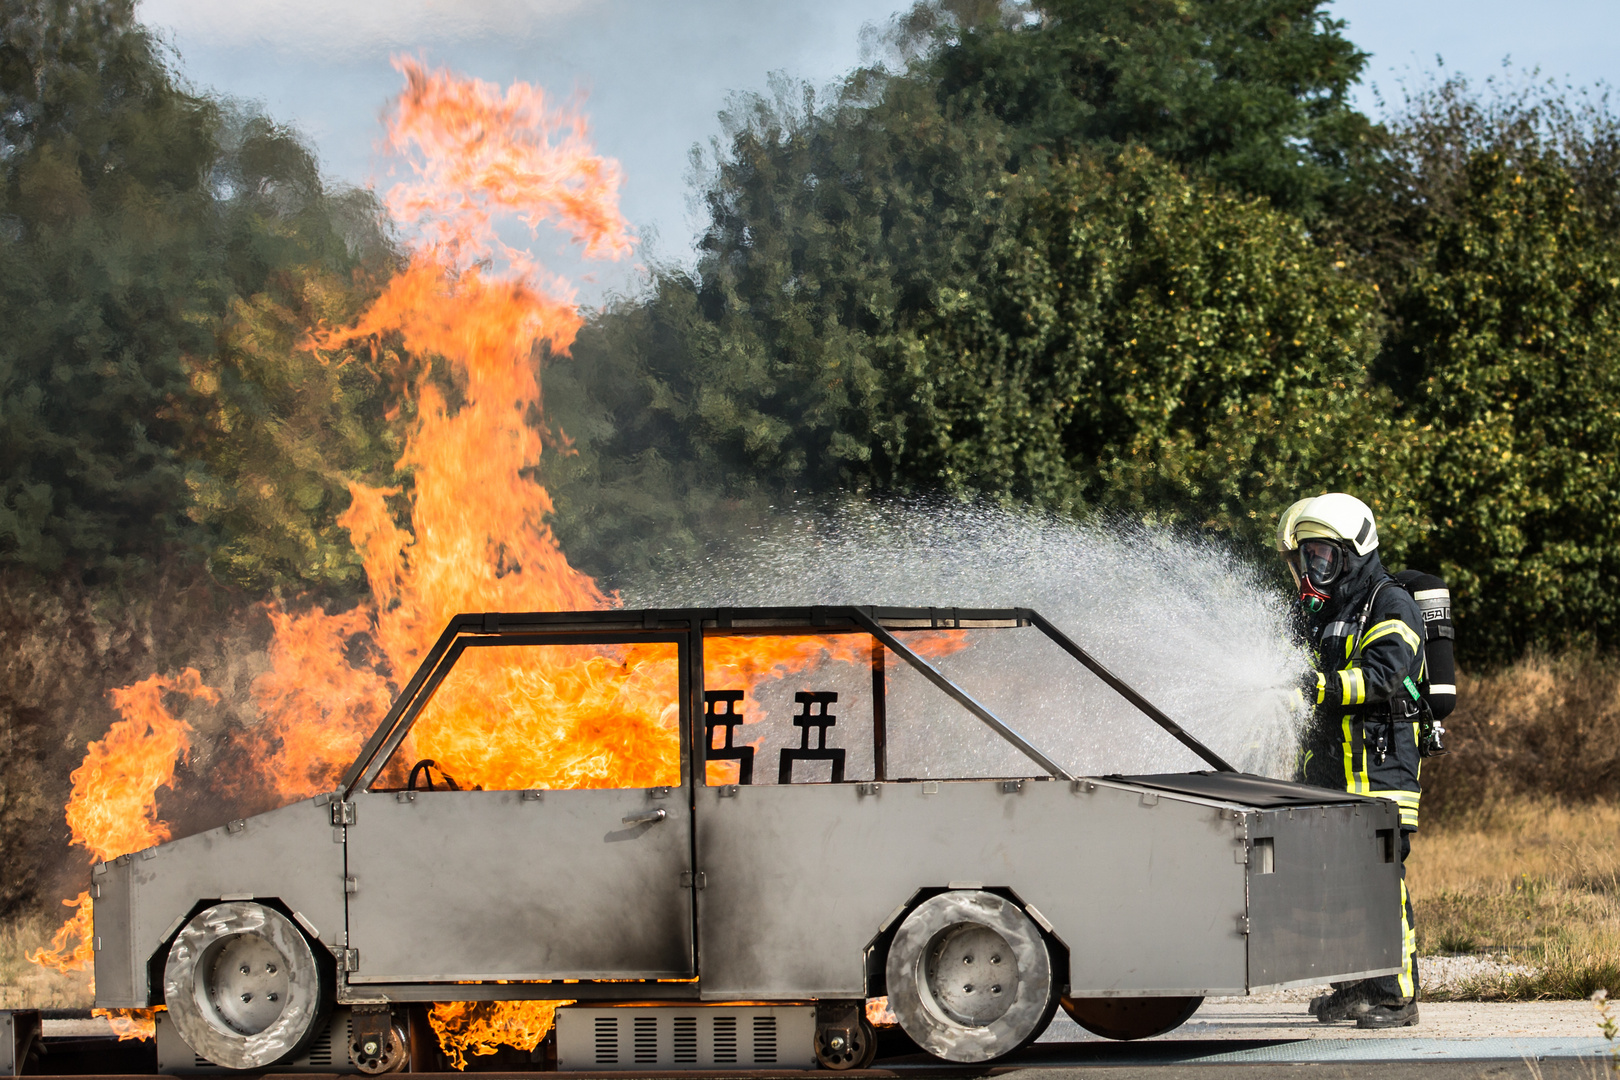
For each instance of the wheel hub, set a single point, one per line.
(245, 980)
(971, 973)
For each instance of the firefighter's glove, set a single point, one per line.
(1313, 687)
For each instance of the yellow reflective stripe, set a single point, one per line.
(1321, 687)
(1406, 800)
(1349, 760)
(1408, 945)
(1358, 678)
(1393, 626)
(1346, 688)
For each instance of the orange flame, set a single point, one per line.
(113, 808)
(477, 538)
(479, 1027)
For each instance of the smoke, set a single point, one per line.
(1193, 627)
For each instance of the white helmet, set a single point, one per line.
(1336, 516)
(1287, 546)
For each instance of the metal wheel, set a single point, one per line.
(1131, 1018)
(970, 977)
(375, 1055)
(850, 1047)
(243, 987)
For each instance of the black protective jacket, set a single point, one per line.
(1370, 661)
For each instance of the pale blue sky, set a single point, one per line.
(656, 71)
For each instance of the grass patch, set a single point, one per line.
(1528, 880)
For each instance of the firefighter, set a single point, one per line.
(1367, 632)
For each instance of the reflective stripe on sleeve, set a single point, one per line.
(1443, 688)
(1393, 626)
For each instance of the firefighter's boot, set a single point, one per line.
(1389, 1016)
(1345, 1003)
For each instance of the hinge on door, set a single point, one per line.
(351, 885)
(1243, 924)
(690, 880)
(343, 813)
(348, 959)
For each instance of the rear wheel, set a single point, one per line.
(243, 987)
(970, 977)
(1131, 1018)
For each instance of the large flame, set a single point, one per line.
(112, 810)
(477, 538)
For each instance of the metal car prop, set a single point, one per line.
(716, 918)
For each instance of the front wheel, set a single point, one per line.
(970, 977)
(1133, 1017)
(243, 987)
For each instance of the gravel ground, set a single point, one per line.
(1435, 973)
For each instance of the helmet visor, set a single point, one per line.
(1321, 560)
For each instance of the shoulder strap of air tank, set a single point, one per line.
(1366, 614)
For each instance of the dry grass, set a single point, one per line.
(1529, 880)
(28, 986)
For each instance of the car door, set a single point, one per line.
(533, 823)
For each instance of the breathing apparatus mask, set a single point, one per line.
(1321, 564)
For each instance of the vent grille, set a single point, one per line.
(725, 1040)
(320, 1051)
(607, 1040)
(686, 1040)
(764, 1040)
(646, 1040)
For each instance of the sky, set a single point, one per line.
(653, 74)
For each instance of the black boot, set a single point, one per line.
(1389, 1016)
(1345, 1003)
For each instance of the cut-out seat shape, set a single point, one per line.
(727, 718)
(813, 714)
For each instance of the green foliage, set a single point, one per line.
(163, 260)
(1255, 92)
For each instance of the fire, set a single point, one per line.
(113, 808)
(478, 1027)
(476, 538)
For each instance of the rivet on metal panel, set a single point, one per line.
(404, 796)
(1011, 787)
(351, 885)
(729, 791)
(1040, 920)
(930, 787)
(534, 795)
(239, 825)
(964, 885)
(868, 789)
(658, 792)
(1150, 798)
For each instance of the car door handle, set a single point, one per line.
(646, 817)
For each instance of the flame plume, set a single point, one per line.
(477, 537)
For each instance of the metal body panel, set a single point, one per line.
(287, 855)
(468, 885)
(1146, 891)
(1331, 905)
